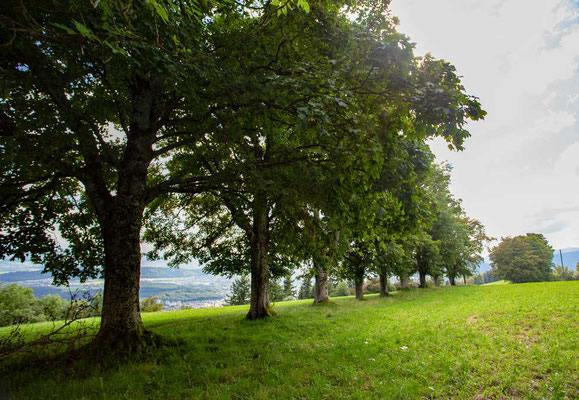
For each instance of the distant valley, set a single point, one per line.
(176, 288)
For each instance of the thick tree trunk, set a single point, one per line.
(121, 326)
(451, 279)
(464, 279)
(121, 219)
(383, 282)
(436, 280)
(259, 243)
(321, 295)
(422, 277)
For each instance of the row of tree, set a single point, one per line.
(255, 136)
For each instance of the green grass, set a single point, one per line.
(474, 342)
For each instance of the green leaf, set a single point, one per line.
(65, 28)
(83, 30)
(161, 12)
(304, 5)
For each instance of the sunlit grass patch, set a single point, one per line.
(505, 341)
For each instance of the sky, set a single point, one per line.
(520, 170)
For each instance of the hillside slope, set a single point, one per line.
(509, 341)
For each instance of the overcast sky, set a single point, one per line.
(520, 170)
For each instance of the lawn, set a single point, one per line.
(473, 342)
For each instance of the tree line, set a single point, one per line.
(254, 136)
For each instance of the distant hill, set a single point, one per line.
(570, 259)
(146, 273)
(169, 284)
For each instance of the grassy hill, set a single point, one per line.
(503, 282)
(474, 342)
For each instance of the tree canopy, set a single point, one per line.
(525, 258)
(253, 136)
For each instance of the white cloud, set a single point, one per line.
(522, 59)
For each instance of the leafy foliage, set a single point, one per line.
(240, 291)
(151, 304)
(521, 259)
(19, 306)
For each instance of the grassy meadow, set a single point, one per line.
(470, 342)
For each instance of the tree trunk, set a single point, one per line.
(464, 279)
(383, 282)
(121, 218)
(436, 280)
(321, 295)
(422, 277)
(121, 326)
(403, 282)
(259, 243)
(451, 279)
(359, 283)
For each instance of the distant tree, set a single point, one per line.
(240, 292)
(288, 290)
(522, 258)
(427, 257)
(53, 307)
(562, 273)
(341, 289)
(276, 291)
(372, 285)
(151, 304)
(390, 256)
(305, 291)
(18, 305)
(488, 277)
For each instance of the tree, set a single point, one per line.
(521, 259)
(340, 290)
(322, 100)
(427, 257)
(305, 291)
(98, 95)
(390, 259)
(53, 307)
(18, 305)
(562, 273)
(461, 239)
(240, 291)
(276, 291)
(151, 304)
(288, 290)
